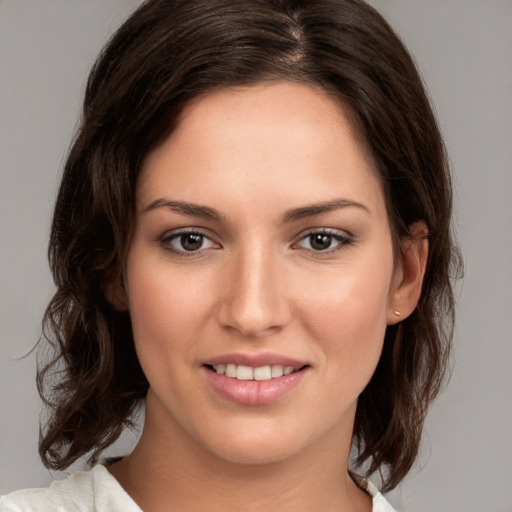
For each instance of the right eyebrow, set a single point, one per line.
(186, 208)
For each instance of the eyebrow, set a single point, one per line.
(296, 214)
(186, 208)
(292, 215)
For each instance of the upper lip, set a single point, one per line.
(255, 360)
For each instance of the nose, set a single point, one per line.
(254, 303)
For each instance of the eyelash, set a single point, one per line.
(342, 239)
(167, 241)
(169, 238)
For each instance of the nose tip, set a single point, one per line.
(254, 305)
(250, 319)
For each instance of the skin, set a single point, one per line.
(256, 284)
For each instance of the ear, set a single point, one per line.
(408, 278)
(115, 293)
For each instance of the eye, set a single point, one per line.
(188, 242)
(323, 241)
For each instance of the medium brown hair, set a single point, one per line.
(165, 54)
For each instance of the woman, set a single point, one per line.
(252, 236)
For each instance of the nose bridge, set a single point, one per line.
(254, 303)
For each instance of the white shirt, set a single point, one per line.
(98, 491)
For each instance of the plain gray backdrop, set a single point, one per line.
(464, 52)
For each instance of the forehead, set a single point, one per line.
(271, 137)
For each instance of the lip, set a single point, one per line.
(255, 360)
(253, 392)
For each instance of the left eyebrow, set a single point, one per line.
(303, 212)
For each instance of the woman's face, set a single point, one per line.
(262, 247)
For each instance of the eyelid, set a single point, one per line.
(169, 236)
(343, 237)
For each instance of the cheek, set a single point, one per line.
(167, 311)
(164, 298)
(348, 318)
(164, 308)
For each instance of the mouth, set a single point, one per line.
(259, 373)
(255, 380)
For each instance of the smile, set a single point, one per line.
(243, 372)
(255, 383)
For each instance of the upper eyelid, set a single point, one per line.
(180, 231)
(328, 231)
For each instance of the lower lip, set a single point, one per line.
(254, 392)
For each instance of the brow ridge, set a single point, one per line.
(186, 208)
(296, 214)
(292, 215)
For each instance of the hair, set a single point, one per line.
(167, 53)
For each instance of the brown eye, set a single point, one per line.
(320, 241)
(187, 242)
(191, 241)
(325, 240)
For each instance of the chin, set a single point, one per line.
(260, 442)
(258, 454)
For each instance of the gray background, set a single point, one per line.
(464, 50)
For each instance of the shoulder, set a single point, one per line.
(75, 493)
(83, 491)
(380, 504)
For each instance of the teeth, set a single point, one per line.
(242, 372)
(277, 371)
(262, 373)
(230, 370)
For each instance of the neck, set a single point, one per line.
(170, 471)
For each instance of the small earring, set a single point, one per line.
(397, 313)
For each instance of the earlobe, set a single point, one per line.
(115, 293)
(408, 279)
